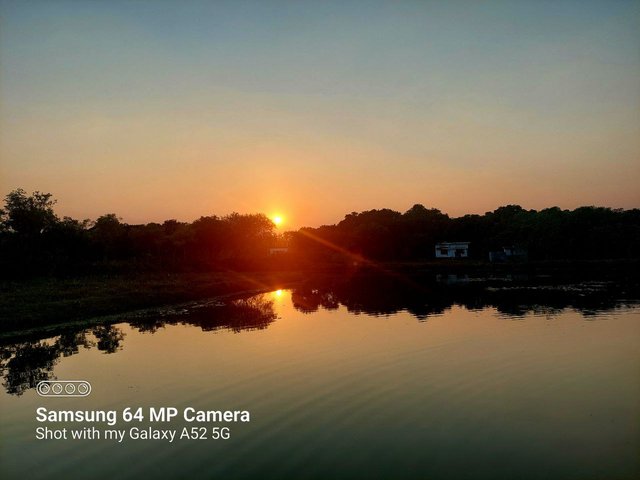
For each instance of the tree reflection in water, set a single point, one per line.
(254, 313)
(24, 364)
(386, 295)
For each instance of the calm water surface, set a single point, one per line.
(339, 387)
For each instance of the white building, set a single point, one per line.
(278, 250)
(452, 250)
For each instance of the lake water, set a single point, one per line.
(349, 383)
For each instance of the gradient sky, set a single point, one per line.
(177, 109)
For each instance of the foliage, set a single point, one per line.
(33, 240)
(586, 233)
(28, 215)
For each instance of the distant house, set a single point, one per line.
(278, 250)
(509, 254)
(452, 250)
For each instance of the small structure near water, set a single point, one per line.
(452, 250)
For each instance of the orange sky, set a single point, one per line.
(319, 110)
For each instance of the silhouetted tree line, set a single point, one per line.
(586, 233)
(34, 240)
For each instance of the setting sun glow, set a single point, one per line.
(277, 219)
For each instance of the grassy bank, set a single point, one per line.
(50, 301)
(32, 304)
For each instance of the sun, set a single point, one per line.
(277, 219)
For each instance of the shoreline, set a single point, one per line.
(46, 304)
(109, 319)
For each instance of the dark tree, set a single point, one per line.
(28, 215)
